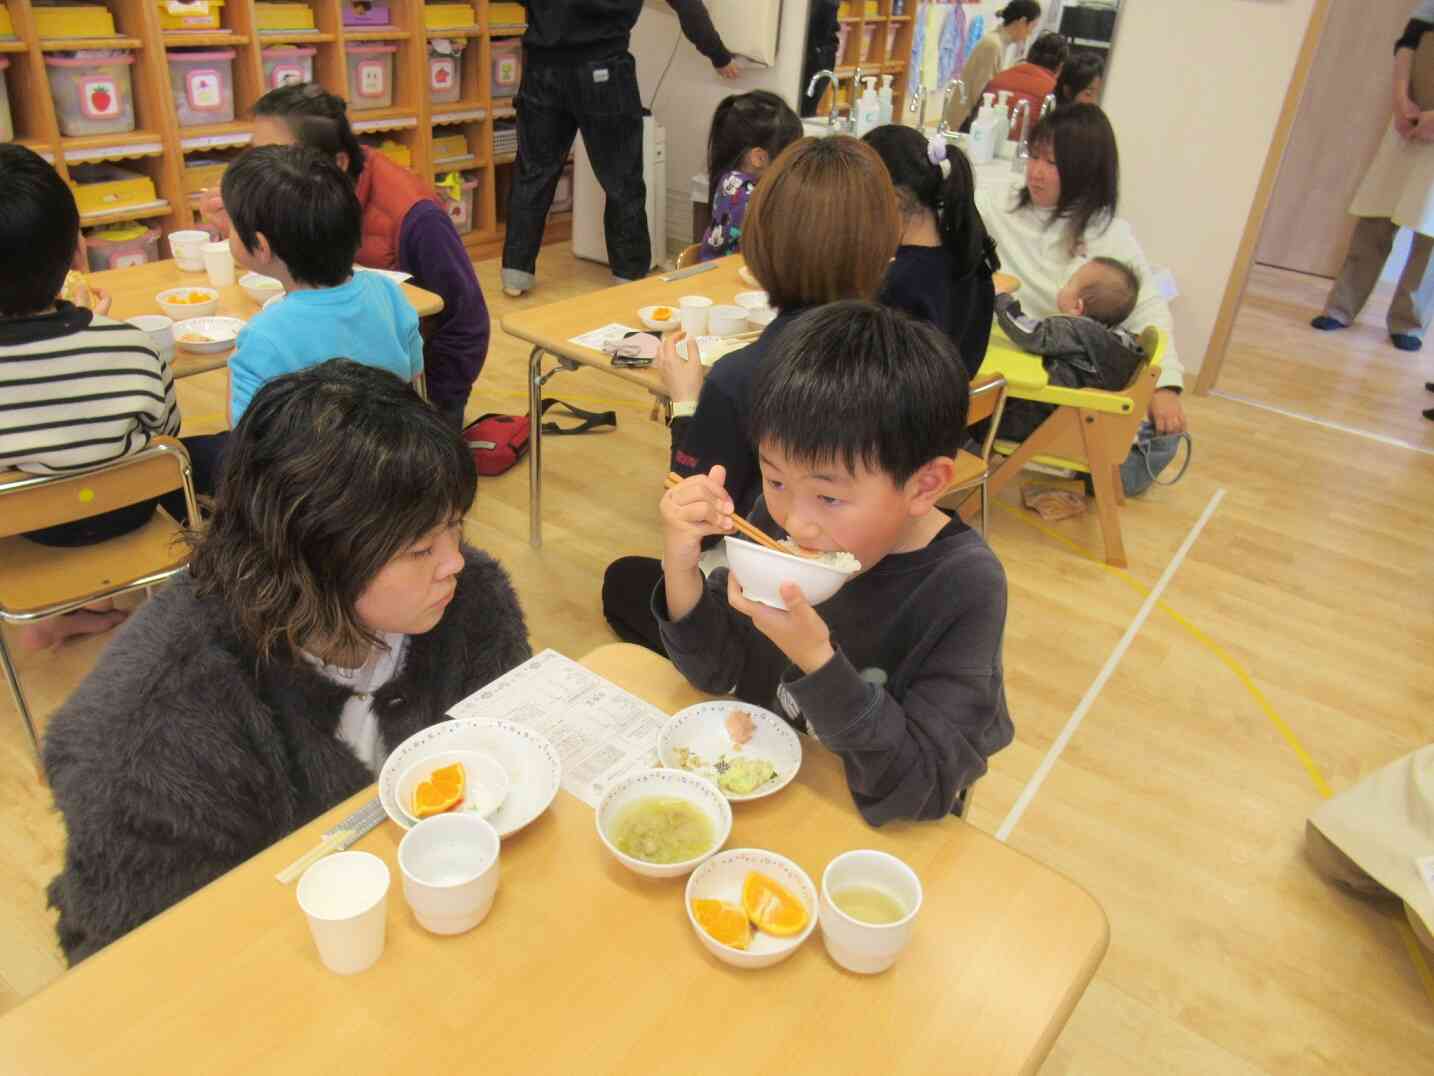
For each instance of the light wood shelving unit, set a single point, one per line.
(162, 149)
(879, 44)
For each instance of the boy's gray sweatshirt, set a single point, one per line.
(914, 701)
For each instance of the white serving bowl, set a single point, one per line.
(188, 249)
(260, 288)
(761, 317)
(659, 325)
(160, 331)
(726, 320)
(221, 334)
(748, 277)
(751, 300)
(721, 878)
(185, 311)
(762, 571)
(485, 788)
(676, 784)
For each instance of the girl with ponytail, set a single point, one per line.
(943, 269)
(748, 131)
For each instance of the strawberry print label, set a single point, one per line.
(129, 261)
(206, 90)
(286, 75)
(99, 98)
(372, 78)
(442, 73)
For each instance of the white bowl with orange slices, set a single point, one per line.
(751, 908)
(456, 780)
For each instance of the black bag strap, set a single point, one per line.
(591, 420)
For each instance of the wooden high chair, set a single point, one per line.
(1091, 430)
(38, 581)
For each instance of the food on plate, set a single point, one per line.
(740, 727)
(662, 313)
(771, 908)
(725, 922)
(739, 776)
(838, 559)
(869, 904)
(195, 338)
(76, 290)
(663, 829)
(186, 298)
(441, 792)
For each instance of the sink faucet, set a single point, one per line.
(918, 106)
(1048, 105)
(1023, 147)
(955, 85)
(830, 75)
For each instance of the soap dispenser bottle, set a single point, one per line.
(1003, 118)
(982, 141)
(884, 97)
(868, 108)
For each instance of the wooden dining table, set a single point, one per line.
(583, 966)
(132, 292)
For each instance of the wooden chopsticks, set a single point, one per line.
(761, 538)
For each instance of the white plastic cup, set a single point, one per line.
(868, 948)
(187, 246)
(726, 320)
(450, 871)
(345, 897)
(693, 311)
(219, 264)
(160, 331)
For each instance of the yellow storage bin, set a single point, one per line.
(507, 16)
(202, 175)
(7, 27)
(283, 17)
(448, 16)
(189, 14)
(103, 188)
(447, 147)
(78, 21)
(396, 152)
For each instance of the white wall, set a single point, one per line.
(692, 90)
(1194, 92)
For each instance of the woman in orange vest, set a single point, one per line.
(1032, 80)
(405, 228)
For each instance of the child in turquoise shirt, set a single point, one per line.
(295, 217)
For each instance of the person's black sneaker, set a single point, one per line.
(1324, 323)
(1406, 341)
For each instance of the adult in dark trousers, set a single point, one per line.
(823, 37)
(579, 76)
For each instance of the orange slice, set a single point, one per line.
(771, 908)
(725, 922)
(443, 791)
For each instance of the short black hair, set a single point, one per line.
(39, 231)
(303, 204)
(1049, 51)
(316, 118)
(853, 382)
(1078, 72)
(1112, 299)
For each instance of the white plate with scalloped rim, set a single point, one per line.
(702, 729)
(532, 764)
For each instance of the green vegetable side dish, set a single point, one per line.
(662, 829)
(733, 774)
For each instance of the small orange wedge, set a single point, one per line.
(443, 791)
(725, 922)
(771, 908)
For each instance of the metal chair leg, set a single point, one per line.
(13, 679)
(982, 493)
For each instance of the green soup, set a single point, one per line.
(662, 829)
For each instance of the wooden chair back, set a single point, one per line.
(689, 255)
(29, 502)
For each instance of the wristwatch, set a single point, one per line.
(684, 408)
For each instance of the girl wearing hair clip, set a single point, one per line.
(943, 269)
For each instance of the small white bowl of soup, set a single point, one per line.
(663, 823)
(762, 571)
(260, 288)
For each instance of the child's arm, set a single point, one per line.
(252, 363)
(431, 249)
(1046, 336)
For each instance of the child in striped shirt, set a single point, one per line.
(77, 389)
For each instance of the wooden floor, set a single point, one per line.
(1304, 602)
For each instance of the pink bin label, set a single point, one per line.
(206, 90)
(372, 78)
(442, 73)
(129, 261)
(286, 75)
(99, 97)
(508, 70)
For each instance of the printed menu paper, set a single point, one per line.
(612, 333)
(601, 732)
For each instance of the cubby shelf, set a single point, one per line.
(182, 39)
(74, 44)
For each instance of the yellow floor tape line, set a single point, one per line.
(1321, 783)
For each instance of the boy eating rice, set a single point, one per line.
(857, 418)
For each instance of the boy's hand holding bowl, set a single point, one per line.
(798, 631)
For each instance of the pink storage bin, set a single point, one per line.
(121, 247)
(445, 70)
(203, 86)
(285, 65)
(370, 76)
(92, 91)
(507, 67)
(7, 126)
(868, 42)
(364, 13)
(460, 209)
